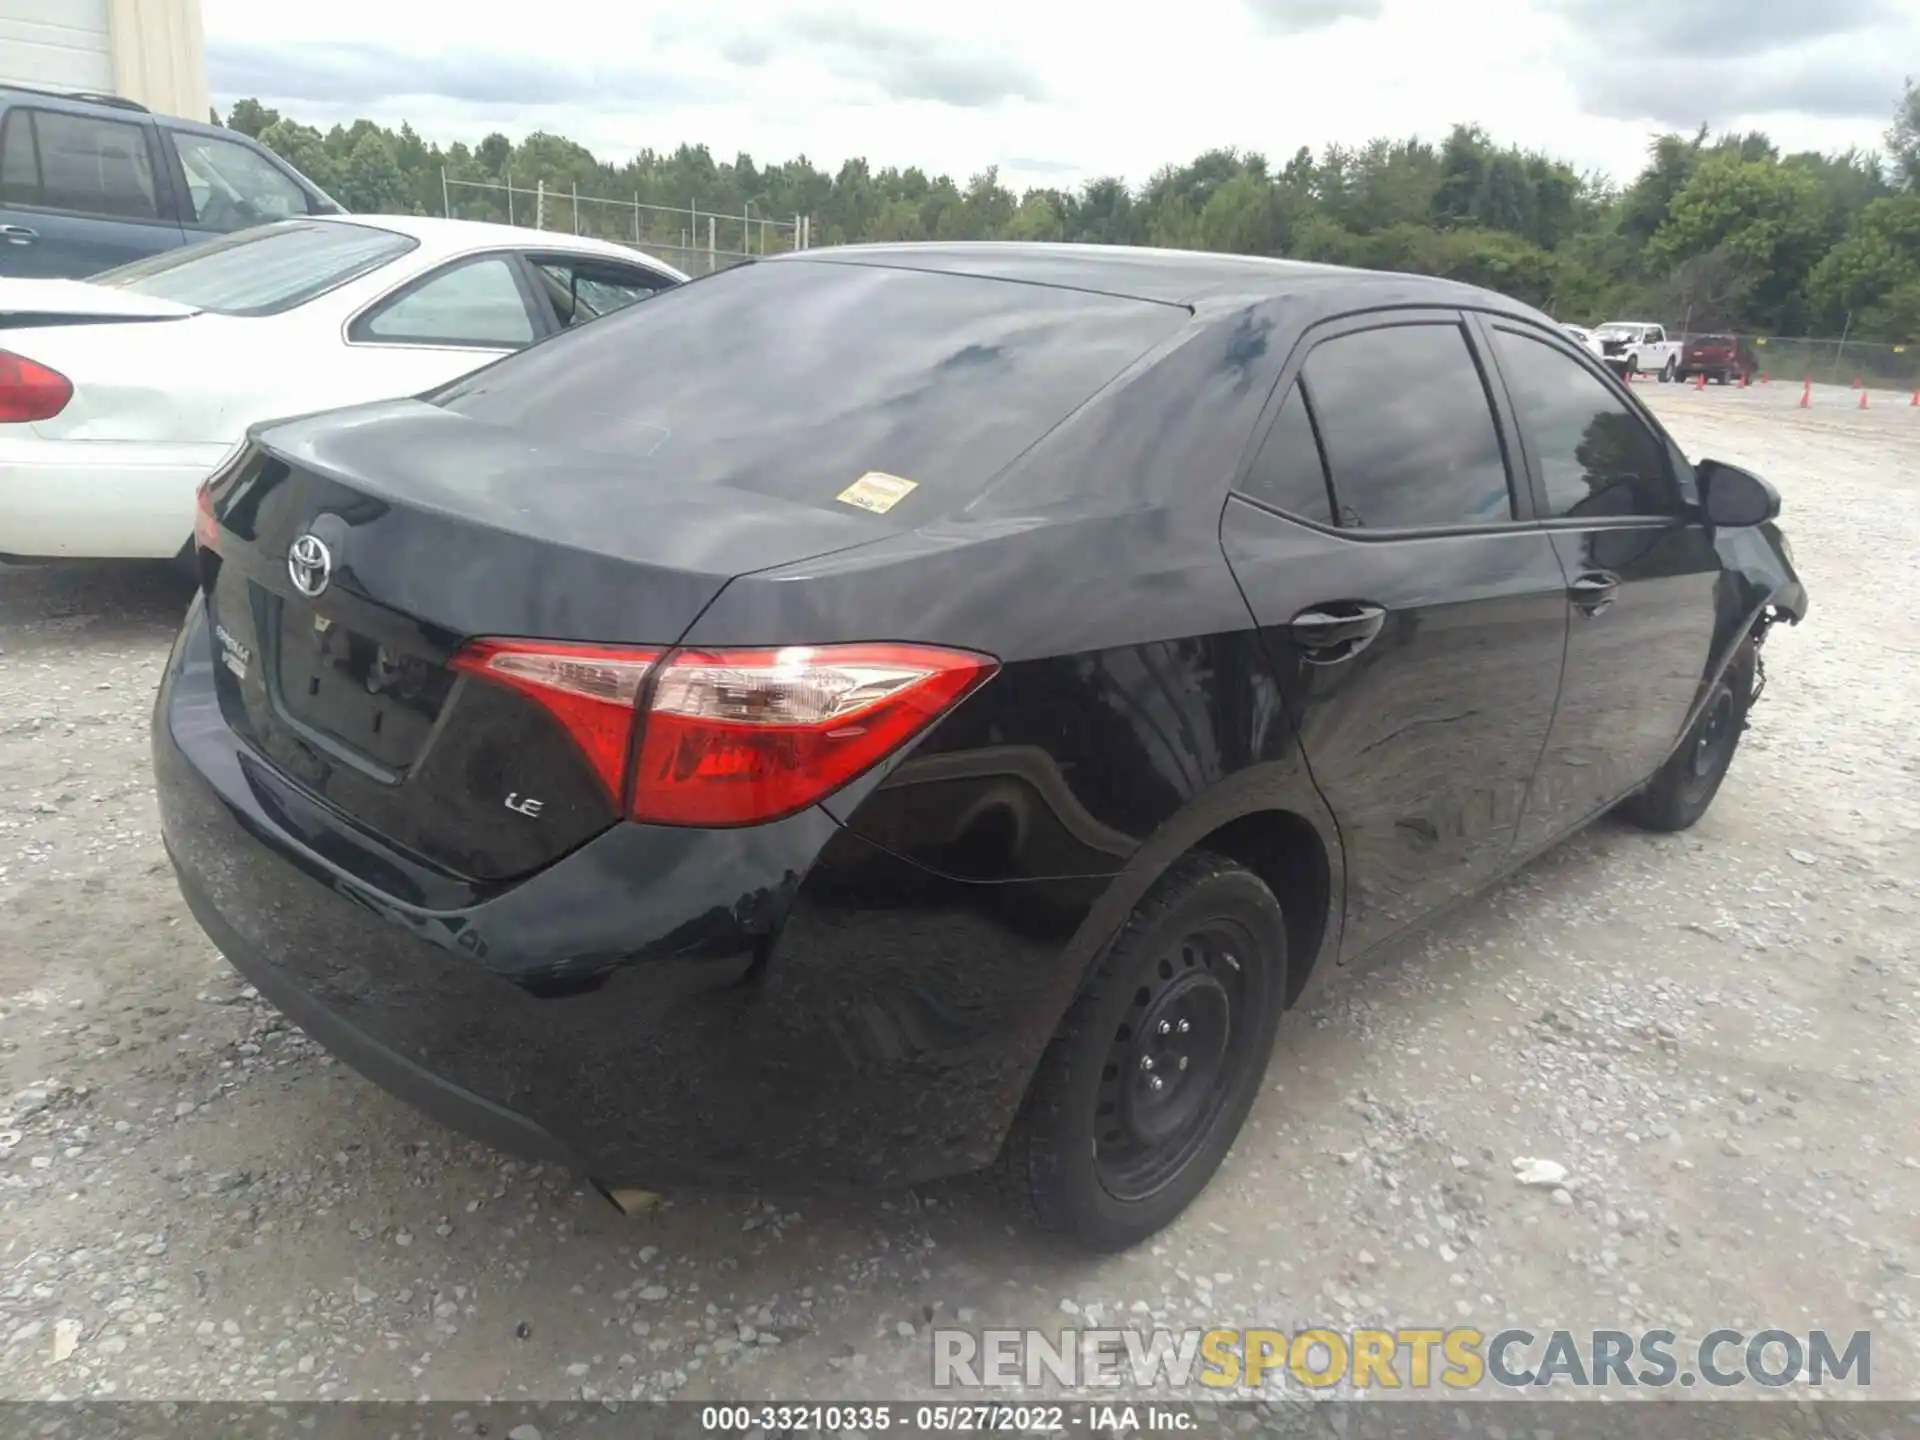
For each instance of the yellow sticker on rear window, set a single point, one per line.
(877, 491)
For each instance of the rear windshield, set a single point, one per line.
(261, 271)
(1714, 340)
(795, 379)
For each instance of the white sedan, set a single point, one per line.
(120, 394)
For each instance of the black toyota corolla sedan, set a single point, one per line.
(878, 713)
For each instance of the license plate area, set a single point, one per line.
(376, 701)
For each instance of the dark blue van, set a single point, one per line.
(88, 182)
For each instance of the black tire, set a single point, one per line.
(1669, 372)
(1683, 788)
(1096, 1156)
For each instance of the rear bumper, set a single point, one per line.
(784, 1006)
(100, 499)
(452, 1106)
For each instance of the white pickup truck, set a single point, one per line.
(1638, 347)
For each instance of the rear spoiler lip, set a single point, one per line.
(51, 320)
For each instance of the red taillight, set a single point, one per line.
(206, 529)
(30, 390)
(734, 737)
(590, 689)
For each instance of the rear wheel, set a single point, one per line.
(1147, 1082)
(1669, 371)
(1683, 788)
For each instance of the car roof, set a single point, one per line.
(1176, 277)
(441, 238)
(91, 101)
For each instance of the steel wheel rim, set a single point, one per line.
(1145, 1132)
(1715, 734)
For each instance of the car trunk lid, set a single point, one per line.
(419, 530)
(32, 304)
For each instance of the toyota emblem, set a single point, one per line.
(310, 565)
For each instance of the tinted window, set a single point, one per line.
(1596, 457)
(478, 303)
(796, 378)
(92, 167)
(583, 290)
(19, 164)
(233, 186)
(261, 272)
(1408, 429)
(1288, 473)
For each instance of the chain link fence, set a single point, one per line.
(691, 239)
(701, 241)
(1838, 362)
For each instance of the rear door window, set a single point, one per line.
(1408, 428)
(1288, 473)
(796, 378)
(477, 302)
(79, 164)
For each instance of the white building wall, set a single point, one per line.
(56, 44)
(152, 51)
(159, 55)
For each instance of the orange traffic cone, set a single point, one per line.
(1915, 402)
(1763, 377)
(1700, 381)
(1806, 394)
(1745, 379)
(1863, 398)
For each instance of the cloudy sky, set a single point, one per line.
(1058, 91)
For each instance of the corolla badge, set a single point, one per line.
(310, 565)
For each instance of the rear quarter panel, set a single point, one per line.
(1135, 712)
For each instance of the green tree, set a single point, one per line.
(989, 205)
(1871, 269)
(304, 148)
(1671, 162)
(250, 117)
(1764, 219)
(1041, 216)
(371, 180)
(1903, 139)
(1107, 215)
(1240, 217)
(1721, 227)
(493, 155)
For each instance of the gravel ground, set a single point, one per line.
(1711, 1032)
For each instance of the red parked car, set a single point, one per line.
(1719, 357)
